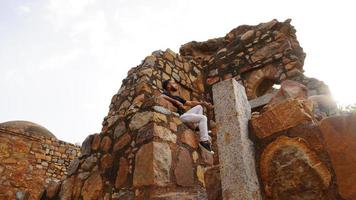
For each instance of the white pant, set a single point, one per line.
(195, 115)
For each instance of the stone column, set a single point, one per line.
(236, 152)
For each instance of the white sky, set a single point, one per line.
(62, 60)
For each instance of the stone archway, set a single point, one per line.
(261, 81)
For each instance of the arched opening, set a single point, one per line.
(264, 87)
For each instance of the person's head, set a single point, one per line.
(170, 86)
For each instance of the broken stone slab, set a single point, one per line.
(281, 117)
(236, 153)
(261, 101)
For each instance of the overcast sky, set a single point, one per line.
(62, 60)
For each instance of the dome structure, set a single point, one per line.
(29, 128)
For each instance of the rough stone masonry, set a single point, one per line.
(144, 151)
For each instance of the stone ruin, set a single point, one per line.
(270, 143)
(30, 158)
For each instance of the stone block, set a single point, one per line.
(261, 101)
(184, 170)
(93, 186)
(122, 142)
(339, 135)
(281, 117)
(152, 165)
(213, 183)
(141, 119)
(290, 169)
(236, 153)
(122, 173)
(188, 137)
(289, 89)
(67, 189)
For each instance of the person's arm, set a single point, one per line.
(203, 103)
(175, 102)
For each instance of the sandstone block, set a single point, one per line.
(188, 137)
(122, 142)
(213, 183)
(290, 89)
(141, 119)
(291, 170)
(122, 173)
(52, 189)
(120, 129)
(92, 187)
(106, 162)
(152, 165)
(281, 117)
(184, 170)
(105, 144)
(96, 142)
(339, 135)
(67, 189)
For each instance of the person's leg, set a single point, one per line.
(202, 122)
(196, 110)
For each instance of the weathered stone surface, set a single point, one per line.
(174, 196)
(52, 189)
(89, 163)
(290, 89)
(152, 165)
(22, 195)
(213, 183)
(86, 146)
(261, 101)
(246, 36)
(237, 164)
(122, 173)
(106, 162)
(269, 50)
(291, 170)
(339, 135)
(120, 129)
(92, 187)
(152, 130)
(105, 144)
(96, 142)
(260, 81)
(184, 170)
(188, 137)
(67, 189)
(122, 142)
(164, 133)
(77, 188)
(73, 166)
(141, 119)
(281, 116)
(159, 101)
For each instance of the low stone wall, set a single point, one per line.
(29, 163)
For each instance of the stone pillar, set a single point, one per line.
(236, 152)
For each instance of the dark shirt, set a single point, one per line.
(180, 110)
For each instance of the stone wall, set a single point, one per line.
(143, 150)
(28, 163)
